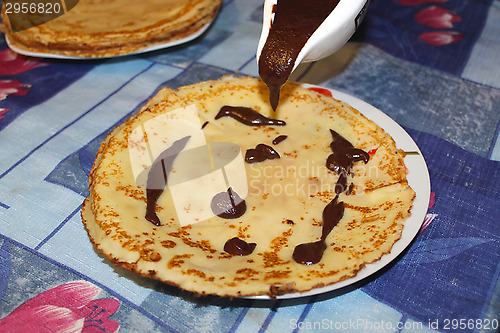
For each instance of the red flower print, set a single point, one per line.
(12, 63)
(3, 112)
(67, 308)
(417, 2)
(429, 217)
(432, 199)
(440, 38)
(97, 315)
(12, 87)
(436, 17)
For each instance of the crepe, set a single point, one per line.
(107, 28)
(186, 149)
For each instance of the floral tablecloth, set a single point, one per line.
(431, 65)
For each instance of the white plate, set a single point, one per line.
(149, 49)
(418, 179)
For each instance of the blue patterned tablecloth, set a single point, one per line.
(431, 65)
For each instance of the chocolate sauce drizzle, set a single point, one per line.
(294, 22)
(341, 162)
(228, 205)
(279, 139)
(260, 153)
(343, 158)
(248, 116)
(311, 253)
(239, 247)
(157, 177)
(152, 196)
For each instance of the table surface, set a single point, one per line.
(431, 65)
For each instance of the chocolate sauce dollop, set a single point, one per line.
(261, 153)
(248, 116)
(311, 253)
(239, 247)
(342, 159)
(279, 139)
(294, 22)
(228, 205)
